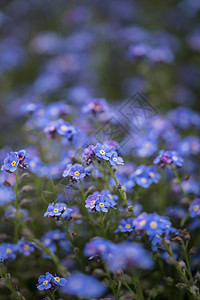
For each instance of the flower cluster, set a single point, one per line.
(166, 158)
(101, 201)
(143, 176)
(50, 282)
(125, 225)
(119, 256)
(155, 226)
(14, 160)
(96, 106)
(58, 210)
(60, 127)
(107, 153)
(9, 250)
(52, 238)
(76, 172)
(84, 286)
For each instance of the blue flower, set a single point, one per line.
(57, 210)
(49, 243)
(11, 211)
(190, 145)
(7, 195)
(167, 158)
(194, 208)
(176, 159)
(58, 281)
(145, 176)
(140, 221)
(25, 247)
(116, 160)
(13, 160)
(153, 174)
(7, 251)
(101, 201)
(155, 226)
(101, 204)
(67, 170)
(97, 106)
(103, 152)
(10, 163)
(84, 286)
(21, 155)
(125, 225)
(129, 255)
(76, 172)
(99, 247)
(88, 154)
(146, 147)
(44, 282)
(66, 130)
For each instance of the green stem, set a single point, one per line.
(73, 147)
(180, 184)
(83, 204)
(187, 259)
(102, 225)
(6, 277)
(130, 290)
(123, 195)
(72, 242)
(47, 251)
(118, 290)
(16, 206)
(111, 283)
(53, 295)
(138, 288)
(179, 270)
(82, 190)
(67, 231)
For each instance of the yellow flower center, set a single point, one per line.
(41, 112)
(55, 210)
(147, 145)
(143, 180)
(153, 225)
(115, 159)
(128, 226)
(26, 247)
(175, 158)
(32, 164)
(196, 207)
(64, 127)
(13, 163)
(151, 174)
(143, 222)
(8, 250)
(101, 204)
(76, 173)
(92, 202)
(110, 196)
(102, 152)
(45, 282)
(57, 279)
(97, 107)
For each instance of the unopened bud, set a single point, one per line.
(182, 264)
(98, 272)
(192, 251)
(119, 186)
(130, 208)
